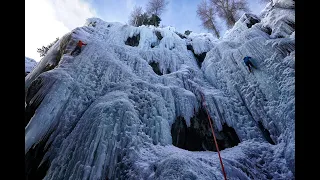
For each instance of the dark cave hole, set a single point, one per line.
(291, 24)
(133, 41)
(198, 136)
(267, 30)
(155, 67)
(252, 21)
(199, 57)
(158, 34)
(94, 24)
(279, 36)
(159, 37)
(189, 47)
(265, 133)
(230, 135)
(154, 44)
(168, 71)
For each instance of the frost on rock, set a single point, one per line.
(132, 108)
(30, 64)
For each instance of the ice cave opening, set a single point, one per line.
(133, 41)
(198, 137)
(199, 57)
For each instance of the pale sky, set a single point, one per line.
(45, 20)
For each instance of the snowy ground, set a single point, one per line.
(106, 113)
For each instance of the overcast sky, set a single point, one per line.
(45, 20)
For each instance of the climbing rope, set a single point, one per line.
(214, 138)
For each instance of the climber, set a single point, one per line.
(78, 47)
(248, 63)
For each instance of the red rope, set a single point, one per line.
(214, 138)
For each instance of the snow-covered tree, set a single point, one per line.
(155, 8)
(143, 19)
(151, 17)
(138, 18)
(207, 17)
(154, 20)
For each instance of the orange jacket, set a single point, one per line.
(80, 43)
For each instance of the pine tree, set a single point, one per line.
(43, 51)
(154, 20)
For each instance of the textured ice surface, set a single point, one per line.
(106, 114)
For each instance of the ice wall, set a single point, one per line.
(106, 114)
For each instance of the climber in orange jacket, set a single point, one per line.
(78, 47)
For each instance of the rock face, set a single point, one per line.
(30, 64)
(130, 105)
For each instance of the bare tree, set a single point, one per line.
(229, 9)
(156, 7)
(207, 17)
(135, 15)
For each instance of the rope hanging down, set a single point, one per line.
(214, 138)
